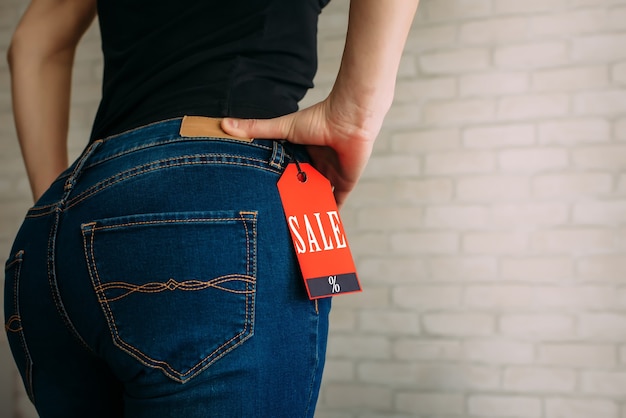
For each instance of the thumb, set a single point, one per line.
(276, 128)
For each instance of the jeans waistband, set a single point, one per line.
(157, 133)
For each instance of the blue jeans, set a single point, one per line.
(156, 278)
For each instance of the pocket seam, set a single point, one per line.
(89, 229)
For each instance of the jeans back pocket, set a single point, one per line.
(177, 289)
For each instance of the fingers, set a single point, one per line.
(277, 128)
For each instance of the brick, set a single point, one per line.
(339, 370)
(343, 319)
(578, 355)
(389, 218)
(493, 188)
(528, 215)
(430, 403)
(386, 166)
(426, 141)
(620, 129)
(610, 212)
(533, 106)
(431, 38)
(345, 395)
(617, 17)
(581, 240)
(494, 136)
(427, 297)
(581, 408)
(569, 23)
(7, 379)
(459, 162)
(408, 67)
(570, 79)
(449, 113)
(375, 297)
(599, 48)
(601, 157)
(423, 190)
(608, 268)
(498, 351)
(454, 9)
(574, 131)
(603, 326)
(463, 268)
(504, 406)
(604, 383)
(370, 191)
(575, 297)
(579, 3)
(391, 271)
(389, 322)
(403, 115)
(424, 89)
(455, 62)
(531, 56)
(536, 379)
(455, 217)
(494, 31)
(437, 376)
(327, 70)
(425, 243)
(426, 349)
(539, 269)
(549, 327)
(493, 84)
(494, 243)
(458, 324)
(618, 73)
(387, 373)
(495, 296)
(574, 184)
(359, 347)
(601, 103)
(369, 243)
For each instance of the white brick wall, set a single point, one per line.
(489, 229)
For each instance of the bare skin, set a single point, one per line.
(339, 131)
(41, 56)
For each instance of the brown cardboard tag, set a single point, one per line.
(201, 126)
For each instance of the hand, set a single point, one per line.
(338, 146)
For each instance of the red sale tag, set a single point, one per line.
(317, 232)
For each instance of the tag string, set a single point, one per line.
(301, 174)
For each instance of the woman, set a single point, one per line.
(155, 276)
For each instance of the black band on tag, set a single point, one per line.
(320, 287)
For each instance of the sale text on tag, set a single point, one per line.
(317, 232)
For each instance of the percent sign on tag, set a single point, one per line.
(332, 280)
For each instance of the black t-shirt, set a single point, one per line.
(242, 58)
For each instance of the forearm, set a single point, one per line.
(40, 58)
(41, 92)
(377, 33)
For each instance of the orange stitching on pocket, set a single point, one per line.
(139, 355)
(171, 284)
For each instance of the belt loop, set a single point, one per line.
(278, 154)
(71, 180)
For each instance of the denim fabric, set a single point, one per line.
(156, 278)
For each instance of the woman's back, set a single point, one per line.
(237, 58)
